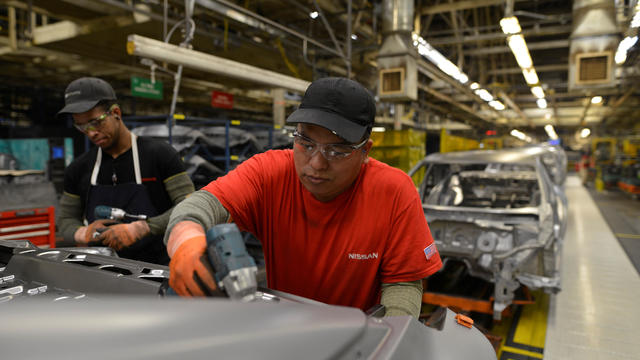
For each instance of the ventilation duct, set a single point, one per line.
(593, 43)
(398, 73)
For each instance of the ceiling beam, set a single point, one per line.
(459, 5)
(539, 69)
(514, 106)
(541, 45)
(450, 100)
(546, 30)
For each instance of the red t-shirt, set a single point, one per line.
(339, 251)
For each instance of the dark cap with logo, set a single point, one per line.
(84, 94)
(339, 104)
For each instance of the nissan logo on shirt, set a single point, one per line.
(354, 256)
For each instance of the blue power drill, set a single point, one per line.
(235, 269)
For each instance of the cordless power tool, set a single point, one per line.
(108, 212)
(235, 269)
(111, 213)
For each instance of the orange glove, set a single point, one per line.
(85, 234)
(123, 235)
(190, 273)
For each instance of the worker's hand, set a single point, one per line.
(86, 234)
(190, 273)
(123, 235)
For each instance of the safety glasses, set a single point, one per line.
(97, 123)
(331, 152)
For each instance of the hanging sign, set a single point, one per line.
(142, 87)
(221, 100)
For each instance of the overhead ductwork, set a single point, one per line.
(398, 74)
(593, 43)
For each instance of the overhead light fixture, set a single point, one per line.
(484, 95)
(517, 133)
(378, 129)
(624, 46)
(520, 51)
(585, 132)
(354, 37)
(635, 22)
(596, 99)
(449, 68)
(520, 135)
(160, 51)
(551, 132)
(497, 105)
(542, 103)
(537, 92)
(547, 116)
(313, 14)
(510, 25)
(530, 76)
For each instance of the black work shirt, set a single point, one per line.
(158, 161)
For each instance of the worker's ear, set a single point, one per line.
(117, 112)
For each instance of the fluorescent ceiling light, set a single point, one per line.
(510, 25)
(551, 131)
(313, 14)
(596, 99)
(378, 129)
(585, 132)
(542, 103)
(537, 92)
(530, 76)
(354, 37)
(627, 43)
(621, 57)
(496, 105)
(624, 46)
(484, 95)
(520, 51)
(636, 20)
(474, 86)
(438, 59)
(519, 134)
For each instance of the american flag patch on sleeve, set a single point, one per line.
(430, 250)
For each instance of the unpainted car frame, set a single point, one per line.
(503, 213)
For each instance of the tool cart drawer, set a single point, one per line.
(36, 225)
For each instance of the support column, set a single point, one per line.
(13, 37)
(397, 116)
(278, 107)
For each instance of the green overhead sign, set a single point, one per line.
(142, 87)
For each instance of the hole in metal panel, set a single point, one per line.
(116, 269)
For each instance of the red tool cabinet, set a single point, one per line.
(36, 225)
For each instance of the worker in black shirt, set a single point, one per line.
(141, 176)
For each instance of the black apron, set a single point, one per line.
(134, 199)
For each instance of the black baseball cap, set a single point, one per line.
(339, 104)
(84, 94)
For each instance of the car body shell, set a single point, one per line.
(503, 213)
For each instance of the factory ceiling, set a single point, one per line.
(44, 44)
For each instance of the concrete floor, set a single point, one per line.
(595, 316)
(622, 214)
